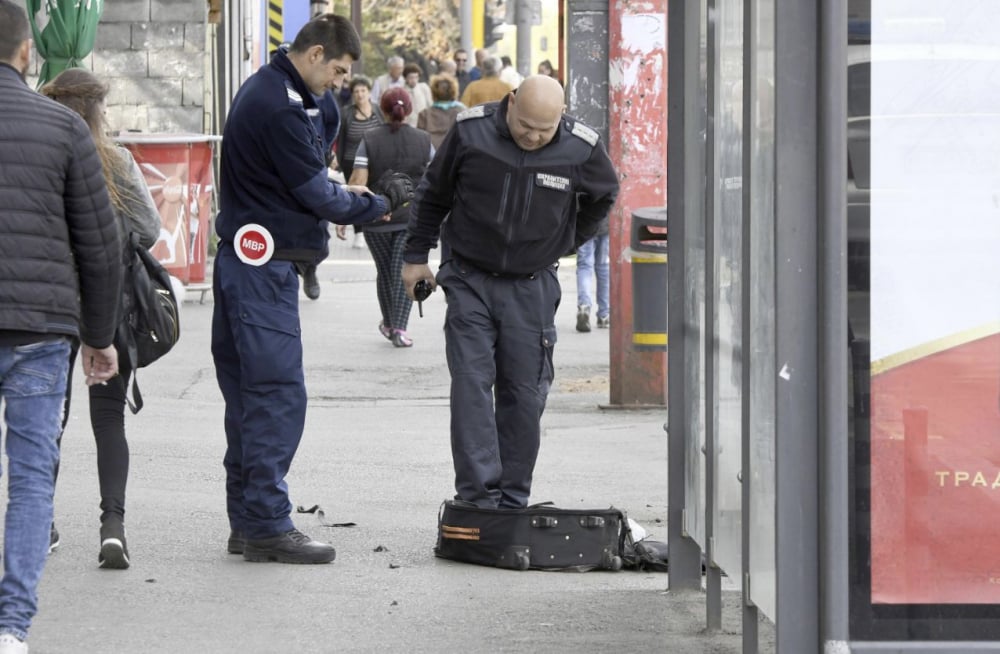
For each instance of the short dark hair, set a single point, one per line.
(335, 33)
(412, 68)
(359, 80)
(14, 29)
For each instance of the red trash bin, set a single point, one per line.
(178, 171)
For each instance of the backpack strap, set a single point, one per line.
(135, 403)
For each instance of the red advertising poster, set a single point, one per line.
(178, 171)
(935, 303)
(935, 453)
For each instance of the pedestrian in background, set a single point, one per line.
(461, 59)
(393, 77)
(592, 264)
(521, 185)
(509, 74)
(356, 119)
(59, 286)
(82, 92)
(448, 67)
(438, 118)
(489, 88)
(274, 185)
(545, 68)
(394, 146)
(420, 93)
(476, 72)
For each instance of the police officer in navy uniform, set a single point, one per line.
(521, 184)
(326, 117)
(274, 183)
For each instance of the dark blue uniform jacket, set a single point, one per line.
(273, 168)
(511, 211)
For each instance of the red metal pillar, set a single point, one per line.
(637, 143)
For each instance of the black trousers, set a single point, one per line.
(107, 419)
(500, 333)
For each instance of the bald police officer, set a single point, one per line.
(522, 184)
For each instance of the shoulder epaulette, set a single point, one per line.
(587, 134)
(293, 96)
(478, 111)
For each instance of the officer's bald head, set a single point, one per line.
(534, 112)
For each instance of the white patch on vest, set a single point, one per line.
(552, 181)
(584, 132)
(294, 97)
(312, 113)
(476, 112)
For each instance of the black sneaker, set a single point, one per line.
(237, 542)
(310, 284)
(53, 538)
(603, 323)
(114, 549)
(583, 318)
(290, 547)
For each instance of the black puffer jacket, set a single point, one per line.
(59, 242)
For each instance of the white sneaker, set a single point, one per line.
(11, 645)
(359, 242)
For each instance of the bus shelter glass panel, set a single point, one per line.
(760, 359)
(694, 319)
(924, 305)
(728, 329)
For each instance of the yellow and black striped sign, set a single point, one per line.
(275, 24)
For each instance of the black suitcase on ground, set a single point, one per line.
(541, 537)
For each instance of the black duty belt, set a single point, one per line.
(298, 255)
(462, 262)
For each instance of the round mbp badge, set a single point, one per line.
(254, 244)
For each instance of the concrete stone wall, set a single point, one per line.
(153, 54)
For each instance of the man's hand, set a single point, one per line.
(99, 365)
(396, 187)
(413, 273)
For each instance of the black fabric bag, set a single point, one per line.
(540, 537)
(151, 322)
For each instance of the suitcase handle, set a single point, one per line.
(544, 521)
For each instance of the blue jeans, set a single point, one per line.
(33, 385)
(592, 257)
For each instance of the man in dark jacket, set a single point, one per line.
(522, 185)
(276, 206)
(60, 278)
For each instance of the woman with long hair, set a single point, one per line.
(394, 146)
(85, 94)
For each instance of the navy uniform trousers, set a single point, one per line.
(257, 348)
(499, 333)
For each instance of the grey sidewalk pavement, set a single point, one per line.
(375, 452)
